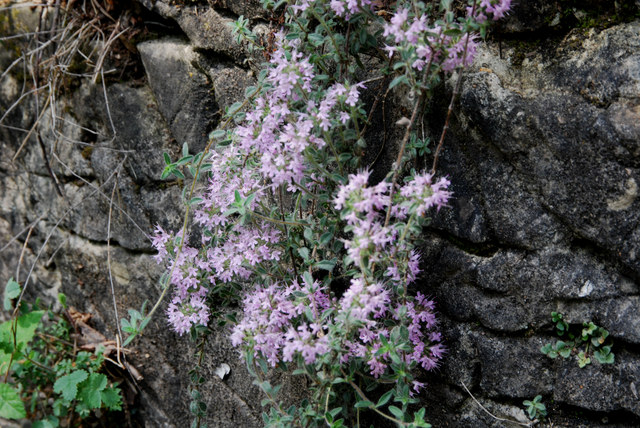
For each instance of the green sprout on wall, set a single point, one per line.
(535, 409)
(590, 341)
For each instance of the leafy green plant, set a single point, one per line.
(45, 378)
(292, 226)
(535, 408)
(586, 342)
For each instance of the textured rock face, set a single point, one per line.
(544, 157)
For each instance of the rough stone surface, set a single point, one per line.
(182, 91)
(532, 15)
(210, 30)
(546, 219)
(544, 159)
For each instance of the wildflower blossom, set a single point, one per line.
(347, 8)
(159, 242)
(272, 322)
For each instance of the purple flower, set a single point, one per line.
(159, 242)
(347, 8)
(424, 195)
(185, 313)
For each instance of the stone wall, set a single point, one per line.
(544, 157)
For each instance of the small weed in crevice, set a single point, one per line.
(586, 342)
(536, 410)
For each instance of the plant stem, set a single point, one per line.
(372, 407)
(452, 102)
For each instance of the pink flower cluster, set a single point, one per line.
(280, 135)
(223, 260)
(281, 321)
(494, 9)
(428, 44)
(425, 194)
(427, 349)
(347, 8)
(370, 306)
(188, 306)
(274, 323)
(275, 137)
(343, 8)
(364, 208)
(424, 44)
(227, 175)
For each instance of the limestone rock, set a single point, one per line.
(181, 90)
(210, 30)
(568, 146)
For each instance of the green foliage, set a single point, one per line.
(585, 343)
(535, 408)
(11, 406)
(36, 350)
(68, 385)
(11, 291)
(283, 181)
(135, 324)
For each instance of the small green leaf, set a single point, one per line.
(549, 351)
(316, 39)
(604, 357)
(25, 328)
(564, 351)
(50, 422)
(308, 279)
(335, 412)
(235, 107)
(583, 360)
(217, 134)
(396, 412)
(400, 79)
(250, 91)
(304, 253)
(167, 158)
(184, 160)
(68, 385)
(385, 398)
(111, 399)
(90, 391)
(62, 298)
(308, 234)
(11, 291)
(531, 410)
(363, 403)
(326, 238)
(452, 32)
(327, 265)
(11, 406)
(166, 172)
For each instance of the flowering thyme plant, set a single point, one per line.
(321, 258)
